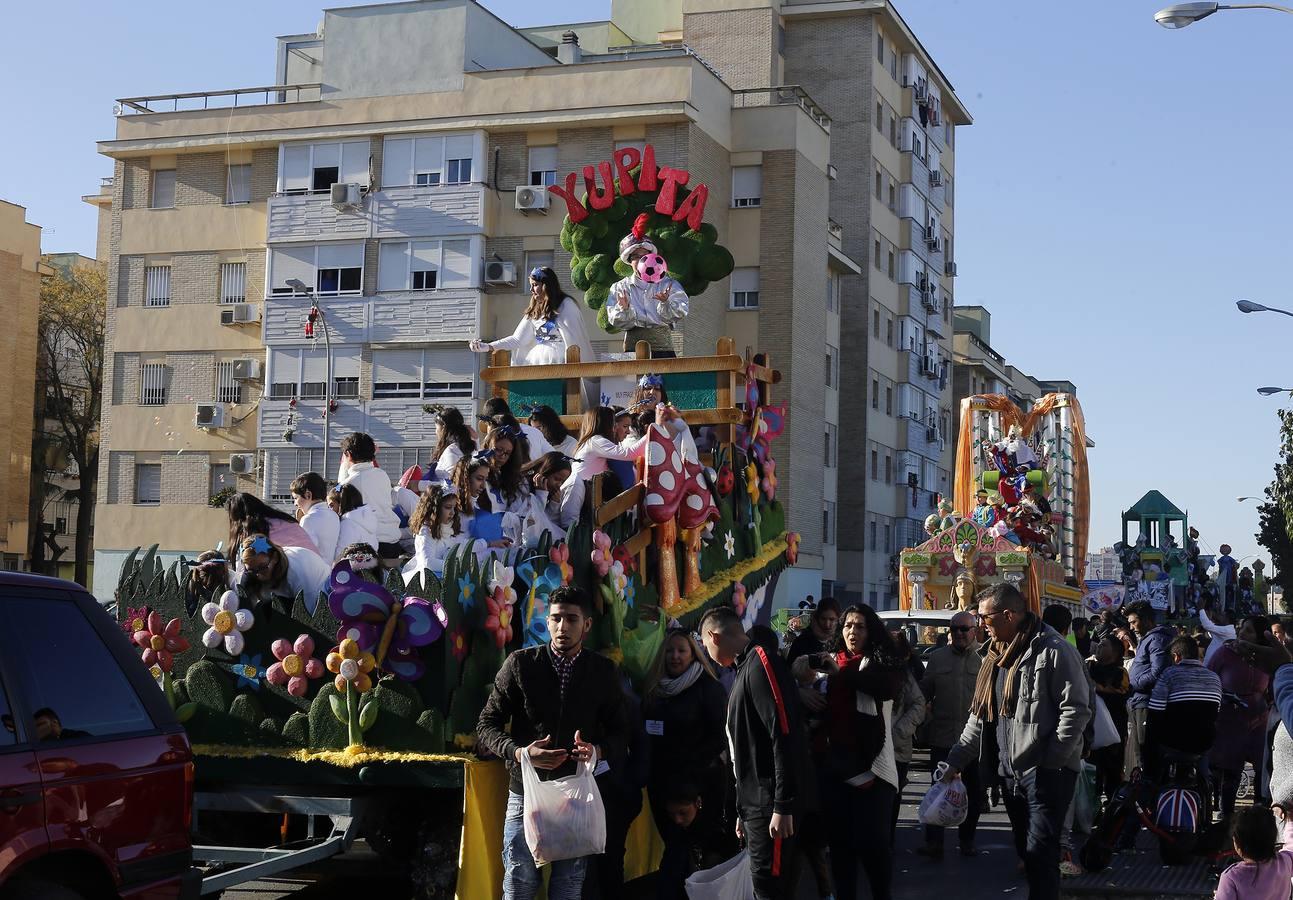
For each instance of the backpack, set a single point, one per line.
(1178, 811)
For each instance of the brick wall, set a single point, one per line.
(195, 277)
(130, 280)
(125, 378)
(371, 253)
(131, 188)
(114, 284)
(377, 145)
(200, 179)
(792, 327)
(117, 485)
(814, 51)
(740, 44)
(709, 164)
(513, 159)
(255, 284)
(186, 478)
(192, 377)
(264, 174)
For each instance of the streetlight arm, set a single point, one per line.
(1276, 7)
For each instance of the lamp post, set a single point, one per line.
(1249, 306)
(1181, 15)
(316, 315)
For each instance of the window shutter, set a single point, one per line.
(295, 175)
(397, 365)
(397, 162)
(354, 162)
(428, 154)
(326, 156)
(393, 266)
(341, 256)
(745, 279)
(543, 159)
(456, 264)
(148, 483)
(747, 183)
(458, 146)
(286, 263)
(163, 188)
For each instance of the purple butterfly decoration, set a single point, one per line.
(391, 629)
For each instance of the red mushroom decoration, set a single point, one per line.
(726, 480)
(664, 483)
(696, 509)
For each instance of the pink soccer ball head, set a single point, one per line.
(652, 268)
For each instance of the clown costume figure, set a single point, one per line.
(648, 303)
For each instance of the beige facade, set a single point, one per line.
(21, 271)
(709, 83)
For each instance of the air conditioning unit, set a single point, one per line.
(499, 272)
(930, 233)
(935, 119)
(935, 178)
(935, 245)
(931, 434)
(345, 196)
(532, 198)
(242, 463)
(949, 269)
(240, 314)
(246, 369)
(208, 415)
(919, 92)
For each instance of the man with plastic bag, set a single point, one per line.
(1030, 708)
(567, 721)
(768, 752)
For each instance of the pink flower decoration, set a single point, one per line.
(296, 665)
(136, 620)
(560, 555)
(739, 598)
(792, 547)
(160, 642)
(601, 553)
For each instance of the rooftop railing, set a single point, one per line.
(236, 97)
(782, 95)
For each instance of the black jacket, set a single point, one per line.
(691, 737)
(527, 694)
(768, 748)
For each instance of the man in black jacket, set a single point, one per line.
(565, 707)
(767, 750)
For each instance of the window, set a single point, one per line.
(828, 522)
(157, 285)
(163, 189)
(346, 387)
(891, 269)
(831, 445)
(233, 282)
(876, 254)
(543, 165)
(330, 268)
(875, 394)
(747, 186)
(879, 180)
(228, 388)
(745, 288)
(425, 265)
(459, 171)
(60, 525)
(834, 287)
(893, 195)
(422, 374)
(888, 401)
(889, 331)
(238, 184)
(888, 469)
(875, 323)
(639, 145)
(893, 129)
(56, 631)
(879, 47)
(832, 366)
(875, 465)
(430, 160)
(221, 477)
(315, 168)
(148, 484)
(871, 531)
(537, 259)
(879, 116)
(152, 384)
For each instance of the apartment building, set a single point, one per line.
(980, 369)
(1103, 566)
(379, 179)
(21, 271)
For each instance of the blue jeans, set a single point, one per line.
(1037, 802)
(521, 879)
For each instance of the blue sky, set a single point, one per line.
(1121, 187)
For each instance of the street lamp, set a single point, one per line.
(1242, 499)
(1182, 14)
(316, 315)
(1268, 391)
(1248, 306)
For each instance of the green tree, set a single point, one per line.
(1274, 517)
(69, 387)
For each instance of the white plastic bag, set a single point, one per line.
(1106, 733)
(731, 880)
(945, 804)
(564, 819)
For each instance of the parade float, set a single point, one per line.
(360, 704)
(1019, 513)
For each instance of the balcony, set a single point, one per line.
(235, 97)
(783, 95)
(439, 211)
(415, 317)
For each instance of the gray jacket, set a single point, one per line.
(908, 713)
(949, 686)
(1052, 712)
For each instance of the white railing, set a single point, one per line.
(233, 282)
(157, 281)
(152, 384)
(235, 97)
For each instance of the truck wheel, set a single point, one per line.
(39, 889)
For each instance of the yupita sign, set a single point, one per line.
(650, 178)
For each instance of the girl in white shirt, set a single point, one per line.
(454, 440)
(552, 323)
(437, 530)
(507, 486)
(497, 530)
(320, 521)
(594, 448)
(554, 431)
(546, 475)
(358, 519)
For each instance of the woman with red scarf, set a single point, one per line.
(860, 773)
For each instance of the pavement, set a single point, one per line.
(990, 874)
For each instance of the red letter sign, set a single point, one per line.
(599, 199)
(625, 159)
(668, 199)
(573, 207)
(693, 208)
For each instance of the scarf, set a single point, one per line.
(1002, 655)
(672, 687)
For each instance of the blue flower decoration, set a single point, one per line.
(249, 671)
(534, 603)
(261, 544)
(466, 593)
(630, 592)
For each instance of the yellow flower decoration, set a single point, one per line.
(752, 483)
(349, 664)
(464, 741)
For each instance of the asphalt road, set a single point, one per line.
(991, 874)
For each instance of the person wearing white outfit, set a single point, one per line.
(437, 531)
(359, 468)
(546, 475)
(647, 304)
(283, 572)
(554, 431)
(454, 440)
(358, 519)
(492, 530)
(1221, 631)
(496, 413)
(508, 489)
(594, 449)
(552, 324)
(321, 523)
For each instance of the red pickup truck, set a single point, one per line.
(96, 775)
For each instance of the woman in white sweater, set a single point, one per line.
(454, 440)
(596, 446)
(437, 531)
